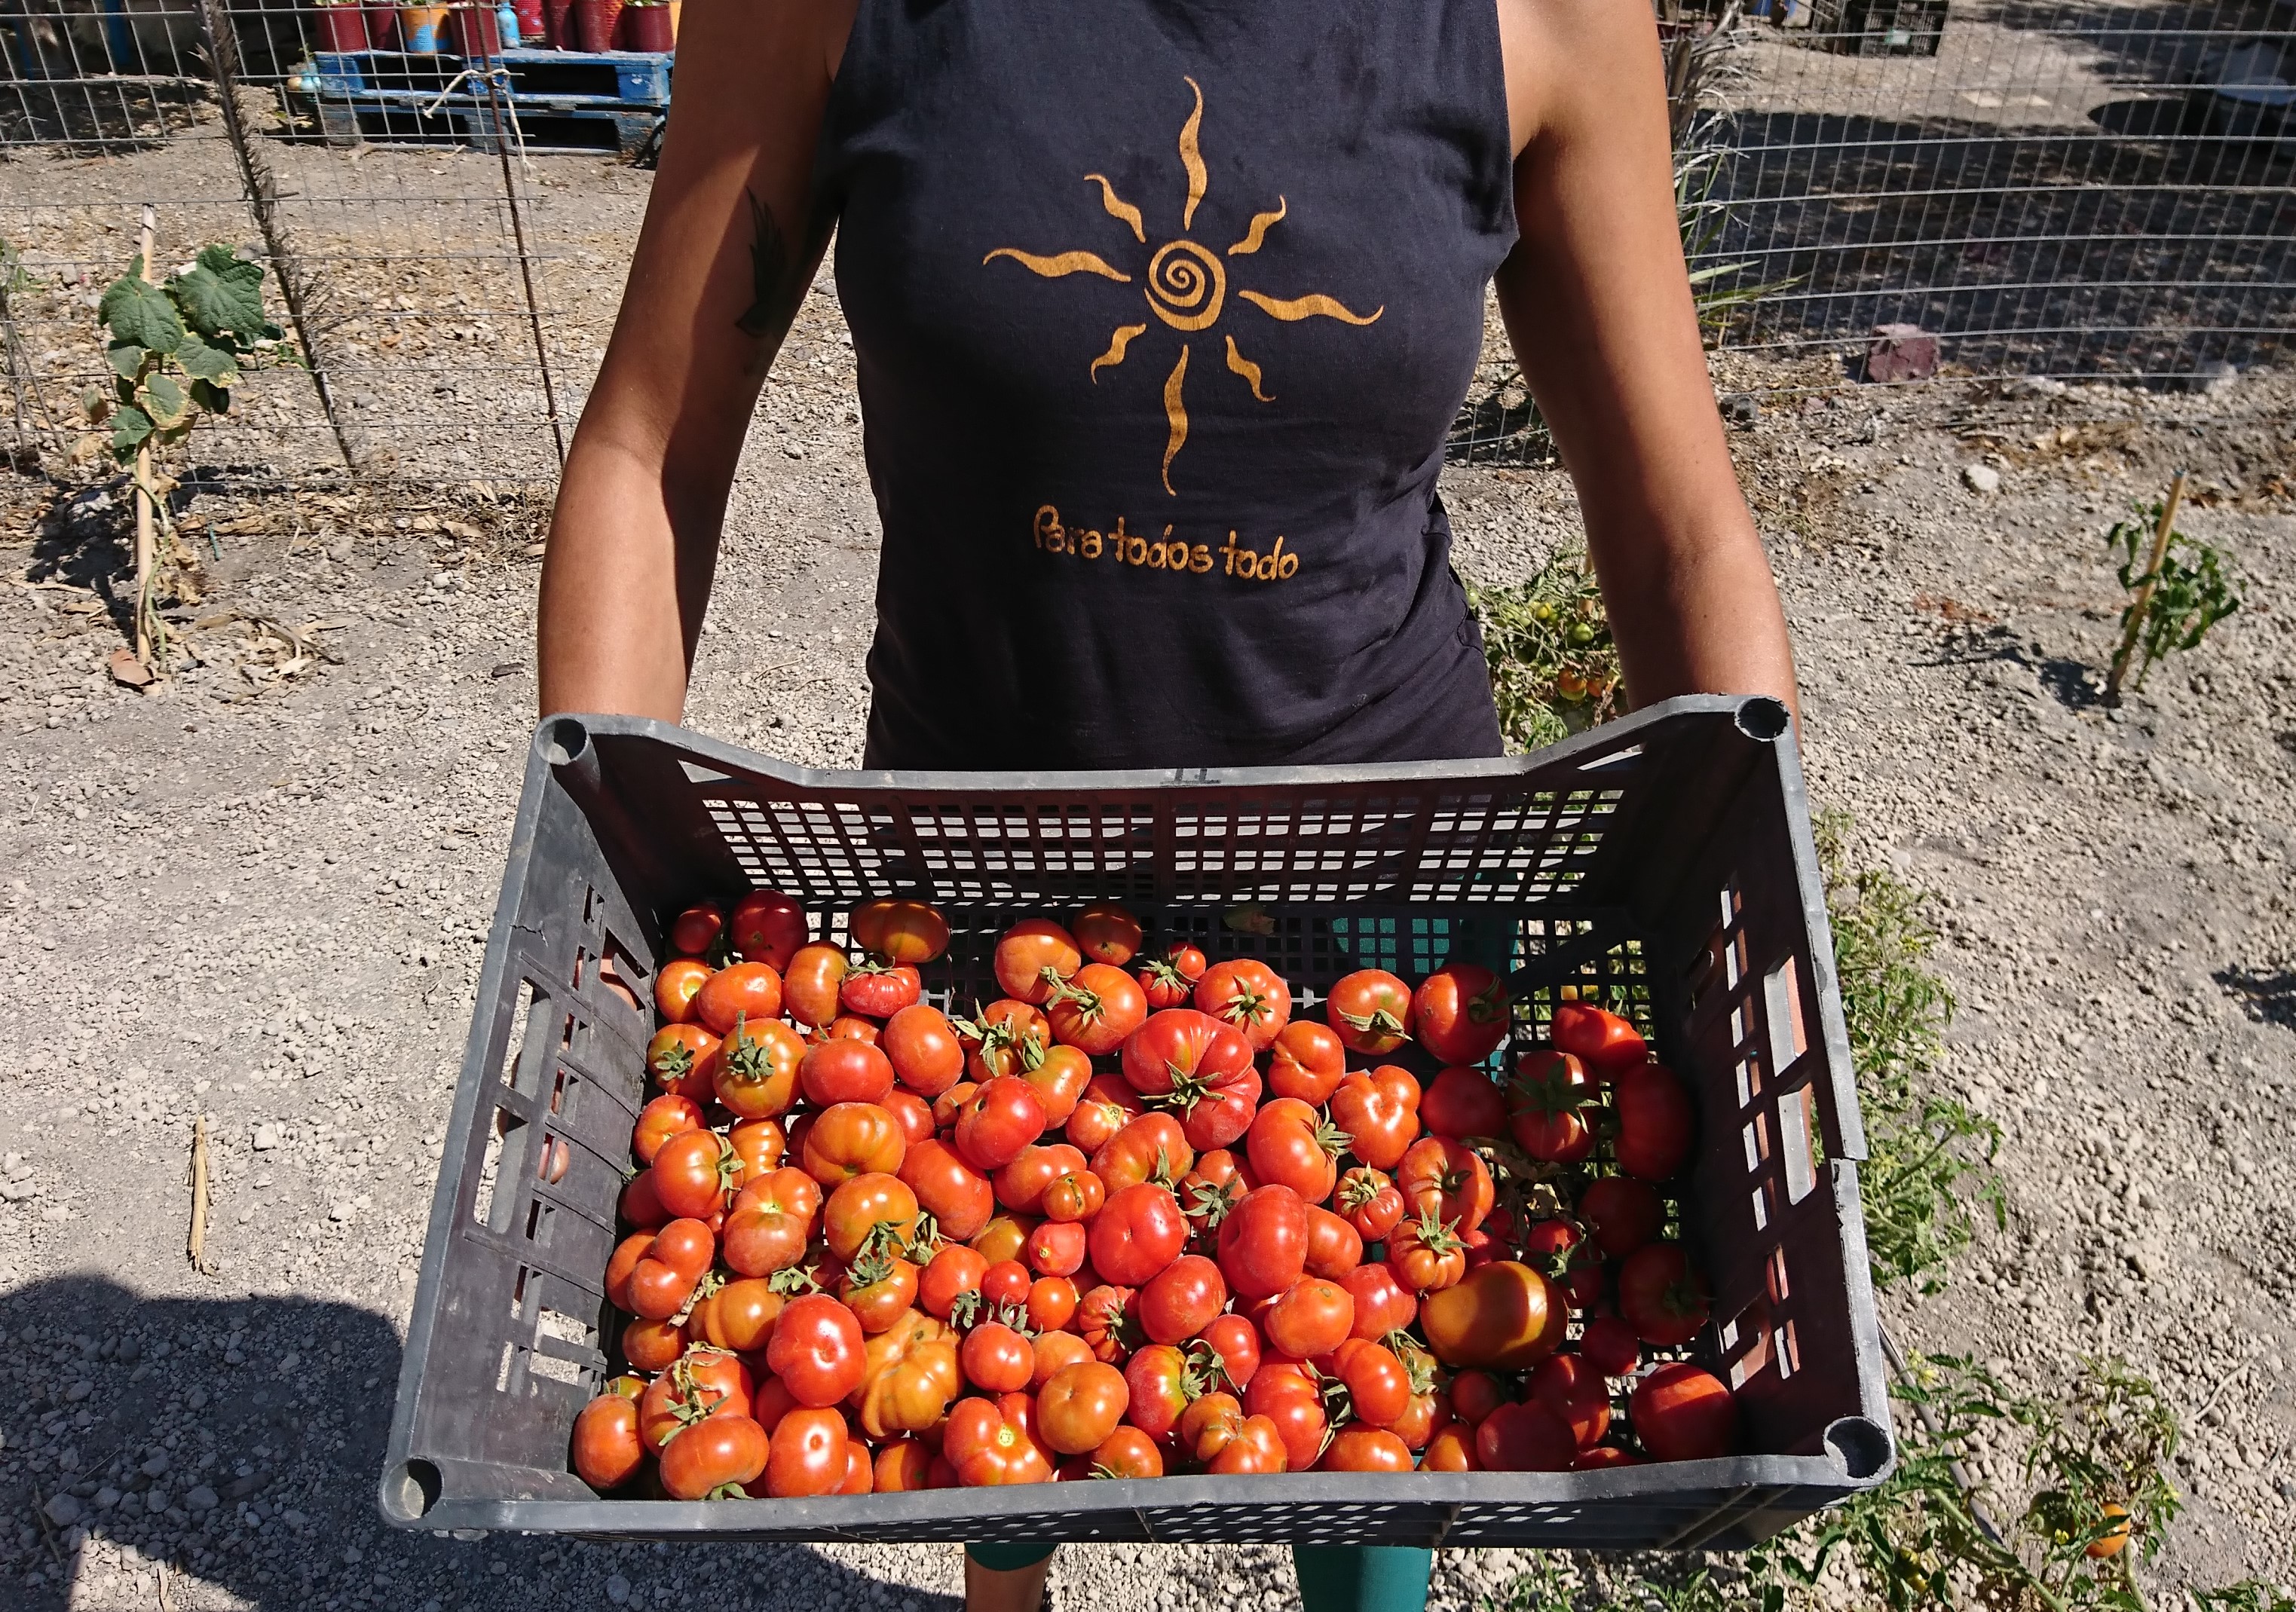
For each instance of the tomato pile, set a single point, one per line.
(1131, 1218)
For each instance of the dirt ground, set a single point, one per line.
(259, 892)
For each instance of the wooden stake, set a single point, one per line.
(2145, 590)
(145, 544)
(198, 1246)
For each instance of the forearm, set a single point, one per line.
(1692, 606)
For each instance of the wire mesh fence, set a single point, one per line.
(2066, 188)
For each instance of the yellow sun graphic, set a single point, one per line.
(1186, 283)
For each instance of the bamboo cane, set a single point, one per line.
(2145, 587)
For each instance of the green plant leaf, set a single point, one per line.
(142, 314)
(214, 398)
(220, 295)
(206, 363)
(125, 358)
(164, 401)
(129, 427)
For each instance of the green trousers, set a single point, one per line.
(1332, 1578)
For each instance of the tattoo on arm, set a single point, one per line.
(774, 298)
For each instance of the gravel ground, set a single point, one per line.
(276, 874)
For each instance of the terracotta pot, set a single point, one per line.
(419, 28)
(646, 28)
(594, 23)
(558, 24)
(532, 31)
(383, 28)
(478, 33)
(343, 28)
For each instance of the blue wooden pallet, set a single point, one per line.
(611, 101)
(632, 77)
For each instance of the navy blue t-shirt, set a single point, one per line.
(1162, 310)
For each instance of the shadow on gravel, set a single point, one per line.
(138, 1438)
(2268, 998)
(2077, 685)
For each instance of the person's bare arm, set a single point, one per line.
(1597, 304)
(726, 254)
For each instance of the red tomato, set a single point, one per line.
(766, 927)
(1109, 1317)
(715, 1458)
(852, 1139)
(958, 1196)
(702, 1382)
(683, 1059)
(809, 984)
(1475, 1395)
(1307, 1061)
(1075, 1196)
(1524, 1437)
(1661, 1294)
(1575, 1392)
(1106, 1106)
(1462, 1103)
(1001, 1240)
(1200, 1066)
(1296, 1409)
(1020, 1185)
(1213, 1187)
(1032, 958)
(1292, 1145)
(1452, 1449)
(757, 1065)
(1561, 1249)
(1683, 1413)
(1004, 1116)
(686, 1247)
(1055, 1350)
(1059, 1073)
(1379, 1111)
(1258, 1448)
(903, 1467)
(1609, 1345)
(1106, 933)
(1181, 1299)
(692, 1173)
(808, 1454)
(1246, 993)
(665, 1116)
(1360, 1449)
(739, 1316)
(1604, 1455)
(1170, 981)
(1263, 1244)
(1003, 1039)
(879, 990)
(1151, 1147)
(1369, 1010)
(899, 931)
(1006, 1281)
(1057, 1248)
(1159, 1385)
(695, 931)
(995, 1359)
(1441, 1179)
(817, 1350)
(1378, 1383)
(1426, 1255)
(675, 988)
(607, 1453)
(1310, 1317)
(759, 1144)
(1371, 1201)
(1233, 1343)
(947, 1277)
(1623, 1214)
(844, 1071)
(1547, 1103)
(1137, 1232)
(923, 1049)
(914, 1113)
(995, 1442)
(1127, 1452)
(1334, 1248)
(1382, 1304)
(871, 1208)
(1095, 1008)
(1460, 1015)
(641, 1205)
(1654, 1121)
(1601, 1040)
(1052, 1303)
(652, 1346)
(745, 990)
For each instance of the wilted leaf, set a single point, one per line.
(220, 295)
(164, 401)
(95, 405)
(89, 446)
(208, 362)
(128, 670)
(126, 359)
(141, 314)
(129, 427)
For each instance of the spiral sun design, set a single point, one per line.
(1185, 284)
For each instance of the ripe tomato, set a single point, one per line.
(1159, 1385)
(1441, 1179)
(859, 1473)
(1151, 1148)
(1181, 1299)
(771, 1222)
(1200, 1066)
(809, 1453)
(1060, 1073)
(1546, 1105)
(1246, 993)
(1109, 1103)
(903, 1466)
(1296, 1409)
(876, 990)
(1369, 1010)
(1661, 1295)
(607, 1453)
(1524, 1437)
(844, 1071)
(1075, 1196)
(998, 1040)
(1055, 1350)
(714, 1459)
(1361, 1449)
(1006, 1281)
(1371, 1201)
(1052, 1303)
(810, 985)
(1095, 1009)
(958, 1196)
(1333, 1247)
(1211, 1189)
(701, 1383)
(1382, 1304)
(1504, 1315)
(1081, 1405)
(1057, 1248)
(1379, 1111)
(1000, 1242)
(1256, 1448)
(922, 1047)
(1459, 1013)
(1291, 1144)
(1452, 1449)
(693, 931)
(1604, 1455)
(758, 1064)
(766, 927)
(1307, 1061)
(686, 1247)
(899, 931)
(1234, 1346)
(665, 1116)
(675, 987)
(1601, 1040)
(1137, 1232)
(879, 1288)
(1609, 1346)
(1312, 1316)
(1127, 1453)
(995, 1359)
(641, 1205)
(1106, 933)
(692, 1173)
(1032, 958)
(914, 1113)
(998, 1120)
(1426, 1255)
(759, 1145)
(1654, 1121)
(1683, 1413)
(1170, 981)
(995, 1442)
(853, 1139)
(1378, 1383)
(683, 1059)
(2114, 1538)
(652, 1346)
(1623, 1214)
(1263, 1244)
(739, 1316)
(1475, 1395)
(817, 1350)
(947, 1277)
(1020, 1185)
(1574, 1391)
(1462, 1103)
(870, 1208)
(744, 990)
(1109, 1318)
(1561, 1249)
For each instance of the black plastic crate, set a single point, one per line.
(1879, 28)
(1664, 860)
